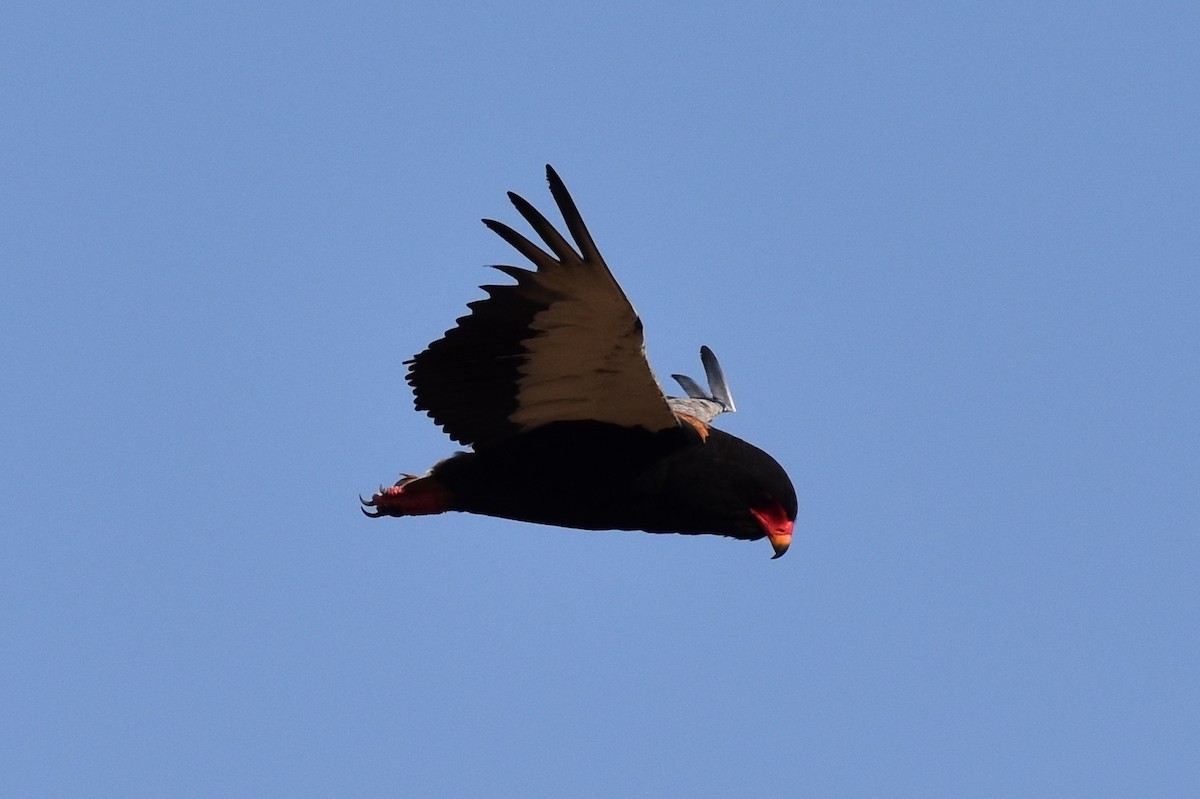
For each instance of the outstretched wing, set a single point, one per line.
(700, 405)
(562, 344)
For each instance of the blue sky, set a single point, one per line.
(947, 255)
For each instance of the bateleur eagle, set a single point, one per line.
(547, 381)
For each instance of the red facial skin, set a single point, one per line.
(775, 524)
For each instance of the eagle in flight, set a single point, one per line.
(547, 381)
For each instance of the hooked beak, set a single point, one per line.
(776, 525)
(780, 541)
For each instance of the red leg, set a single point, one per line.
(410, 496)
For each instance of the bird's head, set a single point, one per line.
(749, 489)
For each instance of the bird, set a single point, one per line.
(548, 383)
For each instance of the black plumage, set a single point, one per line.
(547, 380)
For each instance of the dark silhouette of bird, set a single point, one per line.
(547, 381)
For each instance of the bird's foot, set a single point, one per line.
(410, 496)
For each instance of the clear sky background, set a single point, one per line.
(947, 254)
